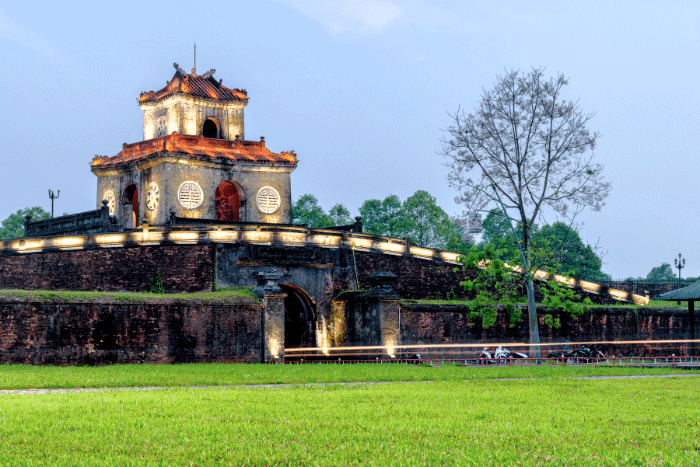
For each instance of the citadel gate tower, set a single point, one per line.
(194, 161)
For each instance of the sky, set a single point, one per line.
(362, 90)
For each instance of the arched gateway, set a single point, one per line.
(299, 317)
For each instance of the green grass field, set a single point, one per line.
(215, 374)
(457, 416)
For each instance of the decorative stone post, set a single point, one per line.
(384, 301)
(273, 315)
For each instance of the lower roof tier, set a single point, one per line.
(197, 147)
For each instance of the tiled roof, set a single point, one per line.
(690, 292)
(196, 147)
(204, 86)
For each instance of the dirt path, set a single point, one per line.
(11, 392)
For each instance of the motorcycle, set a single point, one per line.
(500, 356)
(584, 354)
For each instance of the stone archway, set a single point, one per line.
(230, 202)
(210, 128)
(299, 317)
(130, 217)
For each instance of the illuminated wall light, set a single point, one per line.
(293, 237)
(569, 281)
(396, 248)
(29, 246)
(184, 237)
(618, 294)
(589, 286)
(515, 268)
(450, 257)
(69, 243)
(224, 235)
(361, 243)
(150, 238)
(542, 275)
(640, 300)
(422, 252)
(322, 335)
(273, 347)
(110, 240)
(255, 236)
(391, 350)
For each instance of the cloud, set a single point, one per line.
(350, 16)
(25, 37)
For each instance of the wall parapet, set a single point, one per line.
(265, 234)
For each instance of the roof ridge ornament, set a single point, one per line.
(179, 70)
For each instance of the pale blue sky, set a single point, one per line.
(361, 89)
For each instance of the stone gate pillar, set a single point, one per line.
(383, 300)
(273, 315)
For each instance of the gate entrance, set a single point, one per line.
(299, 317)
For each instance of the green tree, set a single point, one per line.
(566, 253)
(428, 225)
(425, 222)
(306, 210)
(662, 273)
(383, 217)
(458, 240)
(339, 215)
(525, 149)
(496, 232)
(13, 226)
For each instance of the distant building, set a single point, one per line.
(194, 161)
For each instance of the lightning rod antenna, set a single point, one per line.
(195, 55)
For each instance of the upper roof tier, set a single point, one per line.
(204, 86)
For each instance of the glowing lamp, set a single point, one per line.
(69, 243)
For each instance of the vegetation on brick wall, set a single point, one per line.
(229, 295)
(496, 284)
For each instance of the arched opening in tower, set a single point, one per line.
(299, 317)
(210, 129)
(130, 217)
(230, 202)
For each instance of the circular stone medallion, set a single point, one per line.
(190, 195)
(152, 196)
(268, 200)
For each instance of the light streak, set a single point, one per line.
(486, 344)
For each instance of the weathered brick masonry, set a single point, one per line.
(116, 332)
(183, 268)
(437, 324)
(416, 278)
(422, 279)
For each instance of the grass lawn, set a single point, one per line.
(215, 374)
(557, 421)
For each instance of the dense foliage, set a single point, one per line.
(418, 218)
(13, 226)
(306, 210)
(556, 248)
(496, 286)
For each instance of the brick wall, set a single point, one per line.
(423, 279)
(183, 268)
(417, 278)
(117, 332)
(437, 324)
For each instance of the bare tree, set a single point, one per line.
(526, 150)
